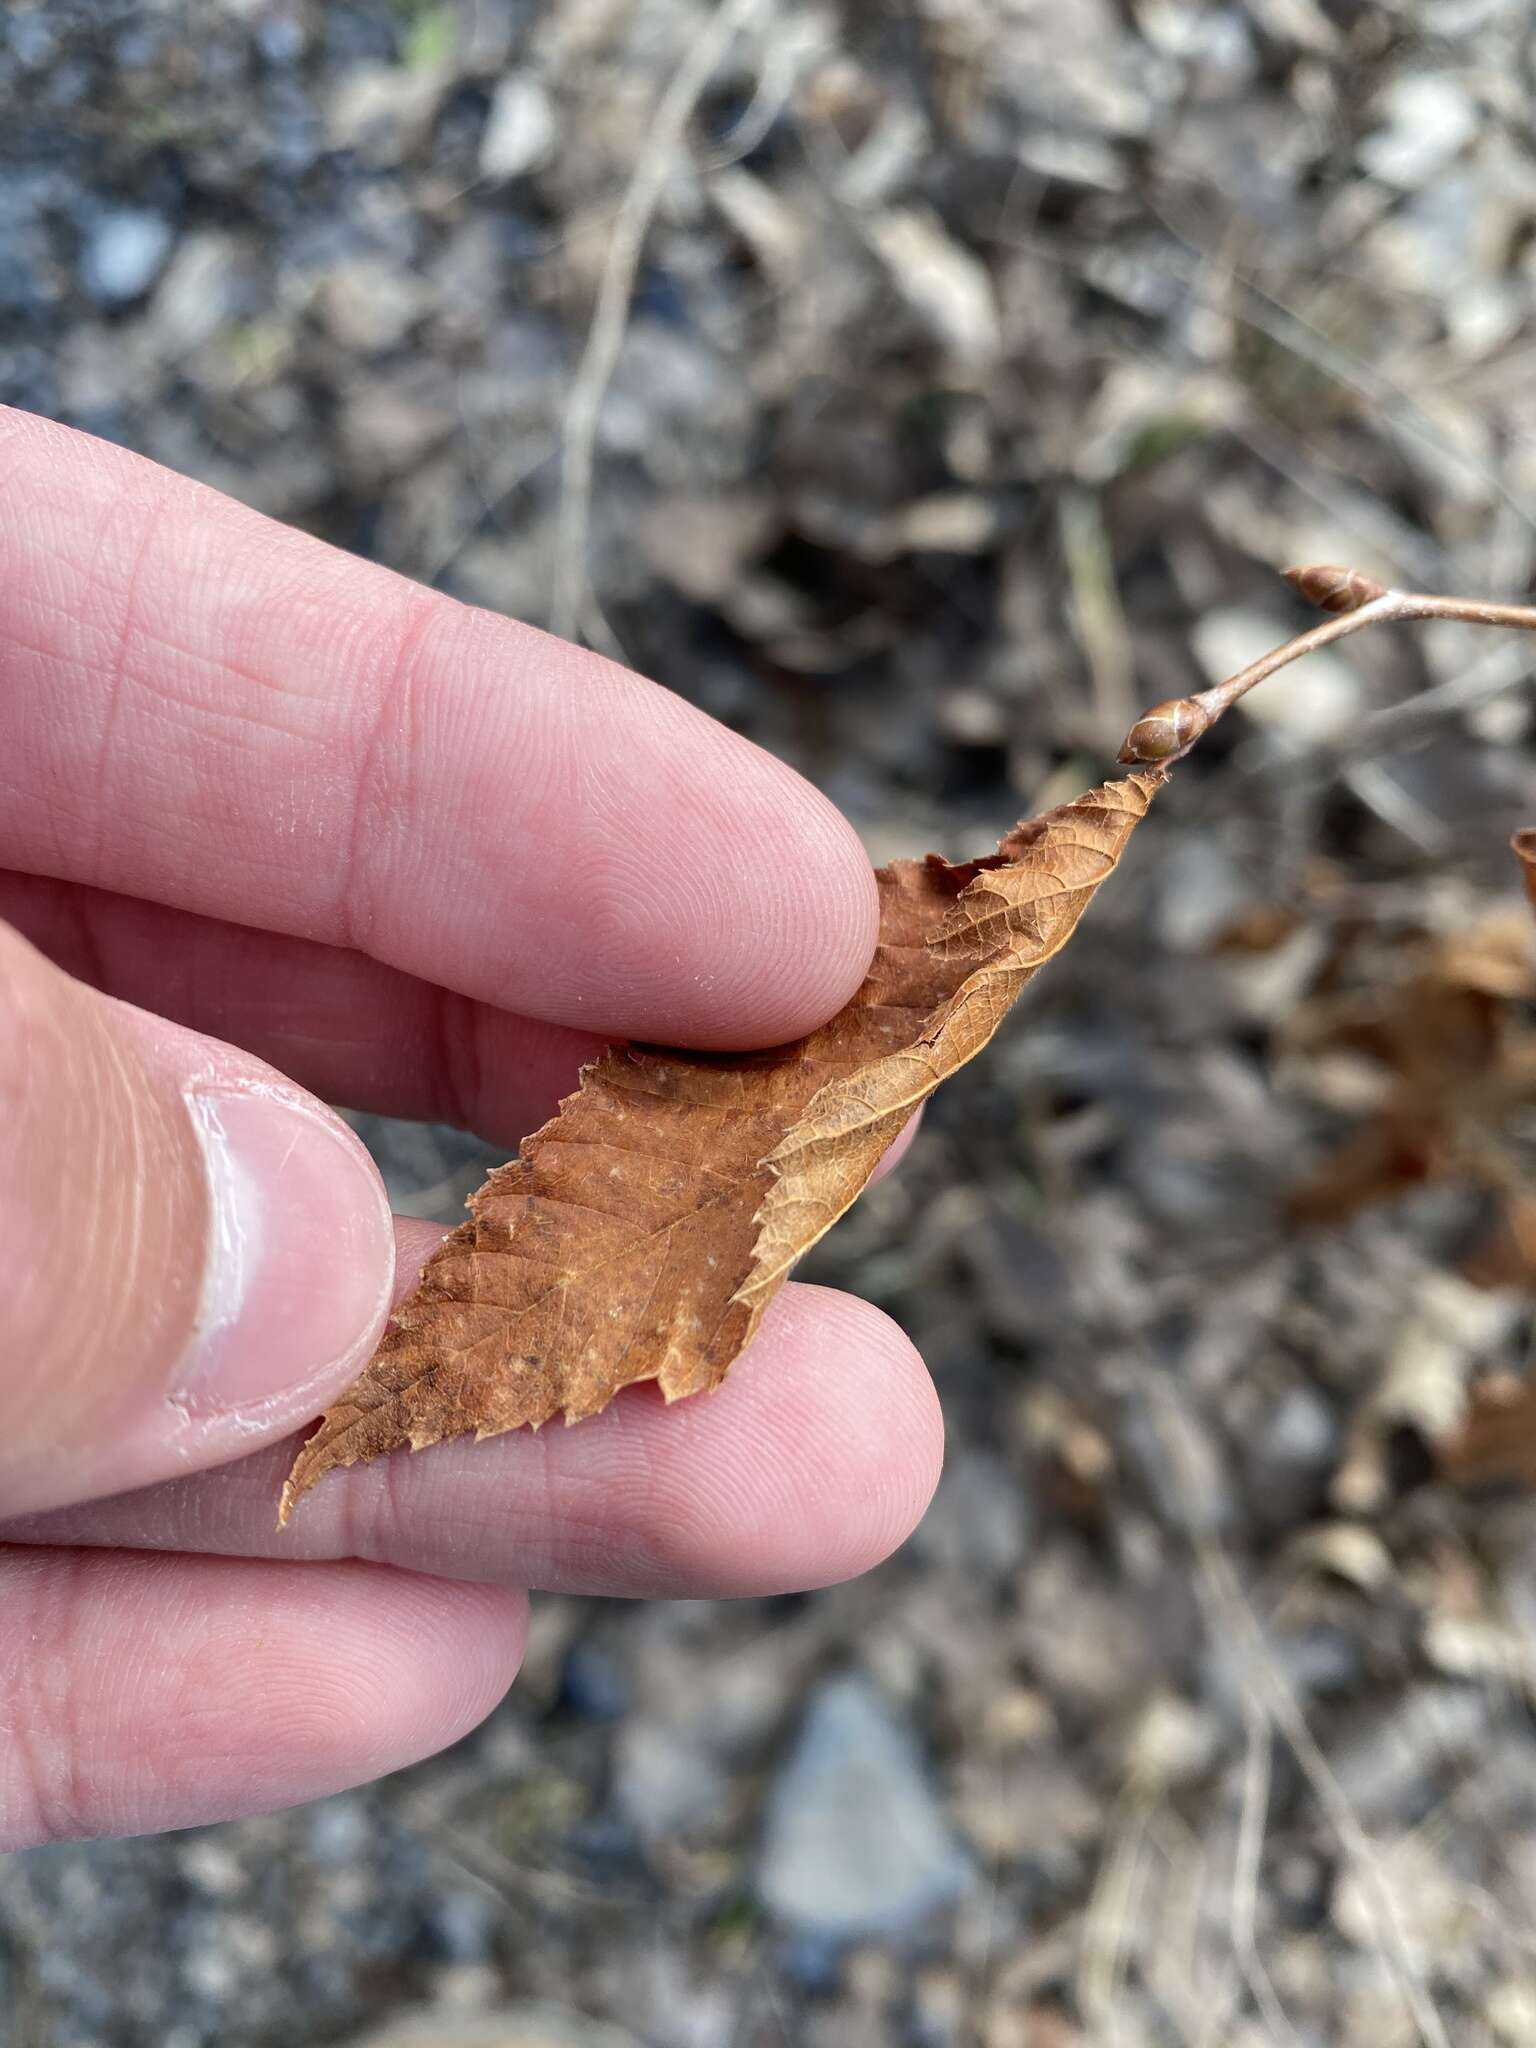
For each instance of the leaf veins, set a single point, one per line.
(642, 1232)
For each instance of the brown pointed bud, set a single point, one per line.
(1165, 732)
(1333, 589)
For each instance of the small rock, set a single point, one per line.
(370, 305)
(389, 425)
(939, 2004)
(945, 522)
(383, 110)
(1430, 119)
(972, 718)
(1301, 1429)
(592, 1685)
(124, 254)
(462, 1922)
(662, 1780)
(519, 129)
(198, 293)
(338, 1831)
(855, 1843)
(428, 1169)
(1511, 2012)
(1343, 1550)
(946, 287)
(211, 1867)
(1171, 1742)
(704, 545)
(280, 38)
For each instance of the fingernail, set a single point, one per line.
(300, 1249)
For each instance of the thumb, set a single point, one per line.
(194, 1254)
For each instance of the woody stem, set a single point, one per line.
(1391, 605)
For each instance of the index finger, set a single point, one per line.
(207, 709)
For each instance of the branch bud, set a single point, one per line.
(1167, 731)
(1333, 589)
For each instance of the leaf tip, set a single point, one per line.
(1334, 589)
(302, 1475)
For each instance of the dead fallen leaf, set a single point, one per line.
(641, 1233)
(1451, 1043)
(1496, 1443)
(1495, 1446)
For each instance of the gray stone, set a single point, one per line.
(519, 129)
(1430, 119)
(854, 1842)
(662, 1778)
(199, 293)
(123, 255)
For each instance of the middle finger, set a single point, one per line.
(812, 1462)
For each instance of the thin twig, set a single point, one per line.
(1167, 732)
(605, 337)
(1096, 601)
(1386, 798)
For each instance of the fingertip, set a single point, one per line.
(381, 1670)
(814, 1460)
(822, 921)
(745, 912)
(462, 797)
(159, 1692)
(812, 1463)
(864, 1480)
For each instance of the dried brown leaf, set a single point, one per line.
(1452, 1043)
(1495, 1446)
(641, 1233)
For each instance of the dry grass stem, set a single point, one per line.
(1263, 1678)
(605, 337)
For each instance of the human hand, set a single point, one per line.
(261, 802)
